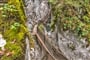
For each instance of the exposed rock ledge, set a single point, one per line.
(66, 47)
(62, 45)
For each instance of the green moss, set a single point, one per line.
(13, 29)
(41, 28)
(19, 4)
(15, 49)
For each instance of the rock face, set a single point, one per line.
(63, 45)
(73, 47)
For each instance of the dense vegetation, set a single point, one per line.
(13, 29)
(72, 15)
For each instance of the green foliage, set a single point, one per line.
(15, 26)
(19, 4)
(16, 31)
(52, 1)
(12, 26)
(15, 49)
(41, 28)
(72, 15)
(9, 12)
(86, 19)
